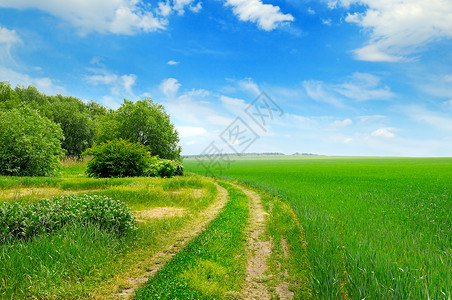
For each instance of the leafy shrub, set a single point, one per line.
(30, 145)
(118, 158)
(165, 168)
(23, 221)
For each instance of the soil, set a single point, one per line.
(259, 251)
(159, 213)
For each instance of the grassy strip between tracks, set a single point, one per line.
(213, 264)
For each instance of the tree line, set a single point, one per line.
(37, 129)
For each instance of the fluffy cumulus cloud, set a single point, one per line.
(170, 87)
(108, 16)
(384, 133)
(267, 16)
(398, 28)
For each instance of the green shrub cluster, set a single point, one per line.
(120, 158)
(24, 221)
(30, 144)
(165, 168)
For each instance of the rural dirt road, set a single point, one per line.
(258, 251)
(182, 238)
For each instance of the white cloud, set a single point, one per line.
(364, 86)
(179, 6)
(383, 132)
(233, 102)
(118, 84)
(128, 81)
(164, 8)
(437, 85)
(170, 87)
(102, 79)
(249, 85)
(370, 119)
(189, 132)
(104, 16)
(327, 22)
(399, 28)
(320, 91)
(172, 63)
(191, 107)
(267, 16)
(196, 8)
(7, 39)
(311, 11)
(339, 124)
(43, 84)
(441, 121)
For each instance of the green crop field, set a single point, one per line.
(376, 228)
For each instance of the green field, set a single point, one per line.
(376, 228)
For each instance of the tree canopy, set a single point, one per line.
(145, 122)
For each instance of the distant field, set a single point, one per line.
(376, 228)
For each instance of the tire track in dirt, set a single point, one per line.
(182, 238)
(259, 251)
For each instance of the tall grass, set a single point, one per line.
(375, 228)
(47, 266)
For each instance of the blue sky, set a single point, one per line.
(353, 77)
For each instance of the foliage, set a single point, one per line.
(76, 118)
(8, 96)
(145, 122)
(118, 158)
(75, 121)
(165, 168)
(30, 145)
(24, 221)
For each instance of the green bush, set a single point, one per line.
(165, 168)
(118, 158)
(24, 221)
(30, 145)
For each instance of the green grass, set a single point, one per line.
(375, 228)
(86, 261)
(50, 264)
(212, 265)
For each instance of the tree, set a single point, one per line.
(8, 96)
(75, 118)
(145, 122)
(75, 121)
(30, 144)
